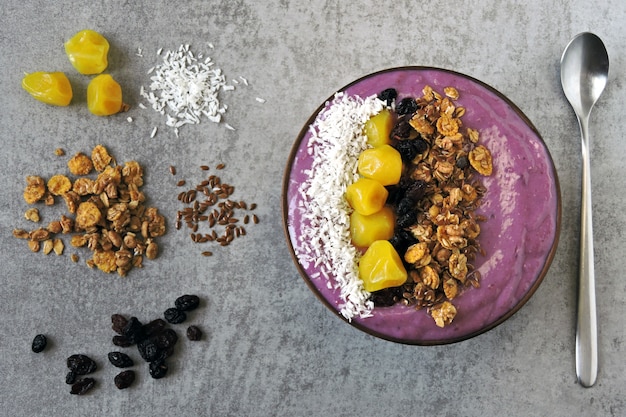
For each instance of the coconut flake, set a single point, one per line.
(185, 89)
(324, 240)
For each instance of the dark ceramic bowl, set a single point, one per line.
(522, 206)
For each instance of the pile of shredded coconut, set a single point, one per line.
(336, 142)
(185, 88)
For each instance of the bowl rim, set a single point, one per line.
(307, 279)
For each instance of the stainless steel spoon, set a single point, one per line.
(584, 73)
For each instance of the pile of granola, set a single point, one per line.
(106, 214)
(437, 233)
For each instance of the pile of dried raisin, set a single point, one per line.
(155, 341)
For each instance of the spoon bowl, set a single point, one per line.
(584, 74)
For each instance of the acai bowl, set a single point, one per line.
(519, 210)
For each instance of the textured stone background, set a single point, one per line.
(271, 348)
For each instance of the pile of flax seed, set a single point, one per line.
(211, 213)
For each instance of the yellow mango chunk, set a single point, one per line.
(378, 128)
(380, 267)
(383, 164)
(88, 52)
(49, 87)
(365, 230)
(366, 196)
(104, 96)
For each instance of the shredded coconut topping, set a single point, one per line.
(185, 89)
(336, 142)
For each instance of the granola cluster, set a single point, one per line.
(437, 233)
(106, 214)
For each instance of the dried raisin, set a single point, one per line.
(388, 95)
(39, 343)
(187, 302)
(118, 322)
(154, 327)
(194, 333)
(462, 162)
(174, 316)
(82, 386)
(81, 364)
(148, 350)
(166, 339)
(124, 379)
(120, 360)
(407, 105)
(70, 378)
(133, 331)
(121, 341)
(157, 369)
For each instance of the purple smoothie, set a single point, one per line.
(522, 207)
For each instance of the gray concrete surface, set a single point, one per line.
(270, 347)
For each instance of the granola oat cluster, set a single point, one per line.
(106, 214)
(437, 234)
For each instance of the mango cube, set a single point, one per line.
(365, 230)
(88, 52)
(48, 87)
(383, 164)
(104, 96)
(378, 128)
(366, 196)
(380, 267)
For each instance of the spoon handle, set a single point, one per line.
(586, 328)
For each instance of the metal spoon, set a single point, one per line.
(584, 73)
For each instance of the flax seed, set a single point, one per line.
(252, 206)
(181, 183)
(172, 170)
(207, 253)
(220, 166)
(246, 219)
(255, 219)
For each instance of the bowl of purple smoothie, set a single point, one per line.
(521, 207)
